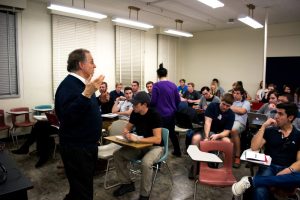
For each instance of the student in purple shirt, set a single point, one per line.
(165, 99)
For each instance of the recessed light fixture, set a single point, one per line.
(212, 3)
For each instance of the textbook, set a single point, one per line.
(252, 155)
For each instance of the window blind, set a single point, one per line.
(167, 54)
(8, 55)
(69, 34)
(130, 55)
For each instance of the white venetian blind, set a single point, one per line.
(8, 55)
(130, 53)
(167, 54)
(69, 34)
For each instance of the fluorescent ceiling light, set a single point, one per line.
(74, 12)
(212, 3)
(178, 33)
(132, 23)
(250, 22)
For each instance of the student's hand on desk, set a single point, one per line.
(92, 86)
(132, 137)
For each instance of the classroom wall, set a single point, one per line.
(229, 55)
(235, 54)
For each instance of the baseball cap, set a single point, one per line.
(140, 97)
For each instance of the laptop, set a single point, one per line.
(256, 118)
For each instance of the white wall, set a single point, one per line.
(235, 54)
(229, 55)
(35, 50)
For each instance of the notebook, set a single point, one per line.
(256, 118)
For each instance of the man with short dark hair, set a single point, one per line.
(122, 105)
(77, 109)
(149, 86)
(148, 129)
(135, 85)
(207, 98)
(219, 120)
(104, 99)
(218, 123)
(281, 140)
(191, 96)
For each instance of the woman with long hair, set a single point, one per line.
(165, 98)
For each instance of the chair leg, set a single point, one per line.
(154, 178)
(106, 176)
(195, 189)
(54, 151)
(171, 177)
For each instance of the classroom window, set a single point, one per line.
(8, 55)
(69, 34)
(130, 53)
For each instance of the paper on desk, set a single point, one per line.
(110, 115)
(252, 155)
(264, 162)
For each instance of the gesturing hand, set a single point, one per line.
(92, 86)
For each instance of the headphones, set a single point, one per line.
(3, 174)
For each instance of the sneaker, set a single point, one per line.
(123, 189)
(240, 187)
(237, 163)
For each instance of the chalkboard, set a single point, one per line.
(283, 70)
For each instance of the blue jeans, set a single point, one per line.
(266, 177)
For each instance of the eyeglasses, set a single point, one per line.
(206, 93)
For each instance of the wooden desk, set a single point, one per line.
(129, 144)
(17, 184)
(201, 156)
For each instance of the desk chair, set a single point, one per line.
(106, 151)
(220, 177)
(52, 119)
(3, 126)
(41, 107)
(163, 160)
(18, 124)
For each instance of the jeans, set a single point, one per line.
(148, 156)
(266, 177)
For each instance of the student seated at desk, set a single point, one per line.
(148, 124)
(207, 98)
(191, 96)
(282, 142)
(267, 108)
(122, 105)
(40, 133)
(218, 122)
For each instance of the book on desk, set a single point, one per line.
(256, 157)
